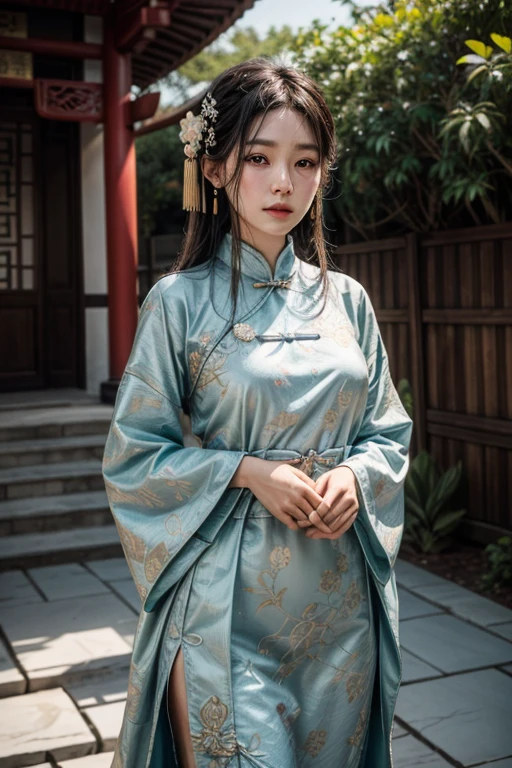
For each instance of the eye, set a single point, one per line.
(310, 163)
(256, 159)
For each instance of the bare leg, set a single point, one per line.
(178, 713)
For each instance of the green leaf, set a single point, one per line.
(505, 43)
(479, 48)
(447, 521)
(416, 510)
(444, 490)
(484, 121)
(471, 58)
(463, 135)
(476, 72)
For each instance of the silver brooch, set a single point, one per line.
(244, 332)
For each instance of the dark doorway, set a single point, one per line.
(41, 296)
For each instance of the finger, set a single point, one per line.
(340, 509)
(321, 484)
(305, 478)
(316, 534)
(327, 504)
(344, 519)
(313, 498)
(318, 522)
(296, 513)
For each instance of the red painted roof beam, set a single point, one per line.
(62, 48)
(141, 28)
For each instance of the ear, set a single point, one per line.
(210, 170)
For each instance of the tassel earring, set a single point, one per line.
(191, 191)
(203, 194)
(215, 202)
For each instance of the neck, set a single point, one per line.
(270, 246)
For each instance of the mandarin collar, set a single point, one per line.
(254, 264)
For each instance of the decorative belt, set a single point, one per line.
(305, 462)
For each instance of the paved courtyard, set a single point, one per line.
(66, 638)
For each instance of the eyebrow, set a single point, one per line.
(270, 143)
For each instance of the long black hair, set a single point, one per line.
(244, 92)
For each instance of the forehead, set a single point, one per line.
(282, 125)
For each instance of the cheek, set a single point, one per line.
(251, 185)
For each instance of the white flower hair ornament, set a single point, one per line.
(191, 134)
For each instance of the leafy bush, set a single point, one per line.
(405, 394)
(394, 87)
(499, 556)
(429, 521)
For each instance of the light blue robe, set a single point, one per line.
(290, 644)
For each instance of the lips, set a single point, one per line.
(279, 207)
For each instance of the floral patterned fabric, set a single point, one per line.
(290, 644)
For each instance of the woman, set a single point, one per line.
(255, 462)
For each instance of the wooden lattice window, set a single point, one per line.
(17, 225)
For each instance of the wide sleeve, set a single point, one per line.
(379, 455)
(168, 500)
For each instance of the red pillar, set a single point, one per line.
(121, 207)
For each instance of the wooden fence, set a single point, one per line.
(444, 306)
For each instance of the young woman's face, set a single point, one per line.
(281, 167)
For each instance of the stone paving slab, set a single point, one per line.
(507, 763)
(504, 630)
(65, 639)
(452, 645)
(411, 606)
(128, 591)
(408, 752)
(465, 604)
(114, 569)
(15, 588)
(41, 725)
(100, 690)
(412, 577)
(107, 719)
(58, 582)
(12, 681)
(414, 669)
(467, 716)
(398, 731)
(101, 760)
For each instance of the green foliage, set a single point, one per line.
(239, 45)
(429, 521)
(423, 133)
(159, 178)
(405, 394)
(499, 557)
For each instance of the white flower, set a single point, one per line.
(191, 133)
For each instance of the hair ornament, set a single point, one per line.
(209, 115)
(191, 134)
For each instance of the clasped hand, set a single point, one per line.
(326, 509)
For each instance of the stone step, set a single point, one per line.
(24, 453)
(39, 423)
(54, 513)
(50, 479)
(33, 549)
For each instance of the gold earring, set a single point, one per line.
(215, 202)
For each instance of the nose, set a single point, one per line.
(282, 182)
